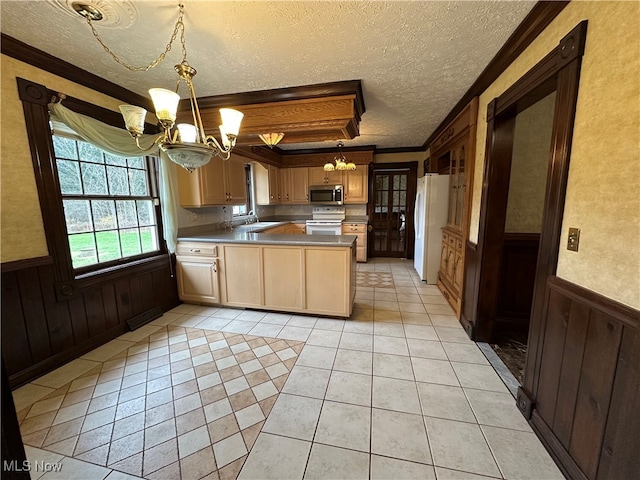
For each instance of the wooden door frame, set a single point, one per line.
(559, 71)
(412, 184)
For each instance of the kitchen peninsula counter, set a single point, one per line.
(310, 274)
(243, 236)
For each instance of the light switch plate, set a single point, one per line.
(574, 239)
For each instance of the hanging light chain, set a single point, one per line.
(178, 27)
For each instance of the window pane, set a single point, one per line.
(102, 228)
(127, 216)
(113, 160)
(130, 242)
(149, 239)
(69, 177)
(77, 216)
(65, 148)
(89, 153)
(403, 182)
(146, 212)
(118, 180)
(137, 162)
(94, 179)
(138, 180)
(83, 250)
(239, 210)
(104, 214)
(108, 246)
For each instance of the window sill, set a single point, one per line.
(115, 272)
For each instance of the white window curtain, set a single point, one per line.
(117, 141)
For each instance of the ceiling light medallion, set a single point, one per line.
(340, 162)
(271, 139)
(187, 145)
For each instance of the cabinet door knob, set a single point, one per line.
(215, 267)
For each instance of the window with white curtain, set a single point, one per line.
(109, 203)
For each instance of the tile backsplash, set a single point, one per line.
(193, 217)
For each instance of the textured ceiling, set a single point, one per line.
(415, 58)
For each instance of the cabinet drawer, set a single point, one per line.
(200, 249)
(354, 227)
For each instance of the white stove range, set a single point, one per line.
(326, 221)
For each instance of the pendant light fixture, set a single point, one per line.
(271, 139)
(340, 162)
(188, 145)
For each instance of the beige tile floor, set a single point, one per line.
(397, 391)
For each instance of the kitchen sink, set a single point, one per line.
(254, 226)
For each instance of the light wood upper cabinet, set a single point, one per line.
(219, 182)
(356, 188)
(294, 185)
(317, 176)
(284, 184)
(281, 185)
(236, 179)
(267, 184)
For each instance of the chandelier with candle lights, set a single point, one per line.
(340, 160)
(187, 145)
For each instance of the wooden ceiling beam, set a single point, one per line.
(303, 114)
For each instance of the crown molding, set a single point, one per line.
(37, 58)
(319, 90)
(540, 16)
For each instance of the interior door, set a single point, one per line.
(391, 206)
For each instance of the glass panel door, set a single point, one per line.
(389, 213)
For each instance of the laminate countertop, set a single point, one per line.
(251, 234)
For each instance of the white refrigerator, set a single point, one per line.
(430, 215)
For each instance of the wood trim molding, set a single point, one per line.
(564, 461)
(625, 314)
(549, 74)
(25, 53)
(302, 120)
(382, 151)
(290, 93)
(26, 263)
(540, 16)
(322, 157)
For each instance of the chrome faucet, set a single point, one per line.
(254, 215)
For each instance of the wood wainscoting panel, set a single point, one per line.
(585, 400)
(41, 332)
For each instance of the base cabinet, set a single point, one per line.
(300, 279)
(242, 283)
(197, 272)
(360, 231)
(283, 275)
(450, 275)
(329, 286)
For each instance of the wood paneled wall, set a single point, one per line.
(586, 390)
(40, 332)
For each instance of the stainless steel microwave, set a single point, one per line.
(326, 194)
